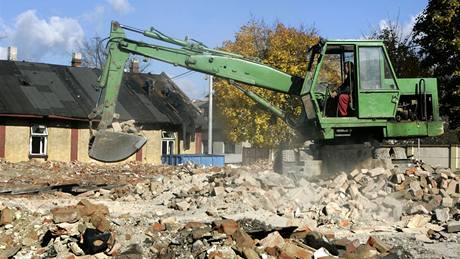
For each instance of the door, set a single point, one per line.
(378, 93)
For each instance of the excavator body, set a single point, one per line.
(378, 104)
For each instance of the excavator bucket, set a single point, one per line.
(108, 146)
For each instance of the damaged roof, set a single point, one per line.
(46, 90)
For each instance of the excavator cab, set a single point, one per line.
(376, 99)
(363, 72)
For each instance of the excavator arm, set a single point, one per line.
(109, 146)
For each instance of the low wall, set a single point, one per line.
(441, 156)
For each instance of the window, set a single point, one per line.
(168, 140)
(389, 81)
(229, 148)
(204, 146)
(330, 73)
(369, 68)
(38, 141)
(371, 62)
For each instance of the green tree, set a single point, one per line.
(279, 46)
(437, 31)
(402, 49)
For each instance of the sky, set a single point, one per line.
(49, 31)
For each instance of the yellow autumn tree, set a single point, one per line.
(281, 47)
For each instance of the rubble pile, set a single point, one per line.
(427, 191)
(231, 212)
(85, 230)
(35, 176)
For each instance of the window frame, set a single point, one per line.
(168, 137)
(383, 61)
(43, 147)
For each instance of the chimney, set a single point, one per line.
(12, 54)
(76, 59)
(134, 66)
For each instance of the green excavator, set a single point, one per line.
(378, 106)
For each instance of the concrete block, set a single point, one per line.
(447, 202)
(442, 215)
(453, 227)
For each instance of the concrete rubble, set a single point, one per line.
(77, 210)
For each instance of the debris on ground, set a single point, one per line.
(77, 210)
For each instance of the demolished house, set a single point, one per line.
(44, 112)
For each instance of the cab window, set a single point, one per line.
(374, 69)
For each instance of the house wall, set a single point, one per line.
(151, 151)
(59, 144)
(16, 145)
(190, 151)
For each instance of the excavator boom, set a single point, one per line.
(109, 146)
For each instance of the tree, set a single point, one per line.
(94, 55)
(279, 46)
(437, 31)
(402, 50)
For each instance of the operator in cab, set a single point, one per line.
(343, 91)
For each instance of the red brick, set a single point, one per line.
(296, 251)
(86, 208)
(6, 217)
(157, 227)
(65, 214)
(378, 245)
(345, 244)
(227, 226)
(192, 225)
(100, 222)
(242, 239)
(343, 223)
(249, 253)
(273, 239)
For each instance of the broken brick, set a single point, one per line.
(6, 216)
(194, 224)
(242, 239)
(452, 188)
(227, 226)
(100, 222)
(249, 253)
(65, 214)
(273, 239)
(447, 202)
(378, 244)
(86, 208)
(294, 250)
(345, 244)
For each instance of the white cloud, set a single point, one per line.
(36, 37)
(121, 6)
(383, 24)
(94, 15)
(405, 29)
